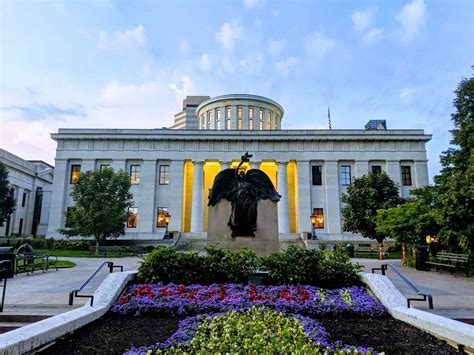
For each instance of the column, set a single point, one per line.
(333, 205)
(254, 165)
(213, 119)
(265, 119)
(361, 167)
(225, 165)
(58, 196)
(304, 196)
(393, 170)
(233, 117)
(176, 193)
(283, 214)
(421, 173)
(146, 201)
(196, 209)
(118, 164)
(245, 117)
(87, 165)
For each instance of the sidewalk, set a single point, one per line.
(453, 295)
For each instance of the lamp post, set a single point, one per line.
(313, 223)
(167, 221)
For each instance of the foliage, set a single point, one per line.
(364, 197)
(271, 332)
(101, 199)
(295, 265)
(172, 299)
(7, 201)
(455, 182)
(412, 221)
(323, 268)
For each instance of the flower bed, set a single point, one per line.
(312, 301)
(270, 332)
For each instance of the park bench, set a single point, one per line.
(451, 261)
(28, 260)
(103, 250)
(370, 249)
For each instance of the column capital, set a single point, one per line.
(198, 162)
(282, 162)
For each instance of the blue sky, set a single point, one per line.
(130, 63)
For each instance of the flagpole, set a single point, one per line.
(329, 118)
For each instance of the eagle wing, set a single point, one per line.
(263, 185)
(224, 182)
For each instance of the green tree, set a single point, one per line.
(364, 197)
(102, 199)
(7, 201)
(411, 222)
(456, 180)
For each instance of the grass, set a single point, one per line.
(391, 255)
(81, 253)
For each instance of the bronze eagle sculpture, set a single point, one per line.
(243, 191)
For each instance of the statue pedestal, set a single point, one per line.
(266, 239)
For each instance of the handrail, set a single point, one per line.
(426, 296)
(74, 293)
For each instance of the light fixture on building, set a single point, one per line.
(313, 218)
(167, 221)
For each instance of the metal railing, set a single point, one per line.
(74, 293)
(426, 296)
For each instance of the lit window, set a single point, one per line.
(251, 112)
(164, 174)
(317, 219)
(227, 118)
(161, 217)
(376, 169)
(406, 176)
(261, 119)
(218, 123)
(239, 117)
(270, 120)
(75, 172)
(135, 174)
(345, 175)
(209, 120)
(251, 124)
(132, 220)
(317, 176)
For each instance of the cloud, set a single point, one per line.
(412, 18)
(250, 4)
(205, 63)
(41, 111)
(182, 89)
(229, 33)
(362, 20)
(317, 45)
(276, 46)
(285, 65)
(373, 35)
(122, 40)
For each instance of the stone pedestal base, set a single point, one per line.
(266, 239)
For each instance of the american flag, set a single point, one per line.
(329, 119)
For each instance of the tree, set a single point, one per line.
(411, 222)
(102, 199)
(364, 197)
(7, 201)
(455, 182)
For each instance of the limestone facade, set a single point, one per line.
(175, 168)
(32, 187)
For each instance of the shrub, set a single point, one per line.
(295, 265)
(323, 268)
(71, 244)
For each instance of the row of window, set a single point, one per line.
(207, 123)
(346, 175)
(161, 213)
(134, 172)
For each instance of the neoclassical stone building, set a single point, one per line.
(173, 169)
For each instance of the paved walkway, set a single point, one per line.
(48, 293)
(453, 296)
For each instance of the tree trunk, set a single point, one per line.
(97, 246)
(404, 255)
(381, 255)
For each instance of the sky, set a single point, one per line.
(129, 64)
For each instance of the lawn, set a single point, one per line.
(391, 255)
(82, 253)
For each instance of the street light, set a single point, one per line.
(313, 223)
(167, 221)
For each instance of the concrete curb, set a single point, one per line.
(34, 335)
(454, 332)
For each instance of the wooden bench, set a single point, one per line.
(370, 249)
(450, 261)
(103, 250)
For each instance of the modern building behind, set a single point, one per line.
(172, 170)
(31, 181)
